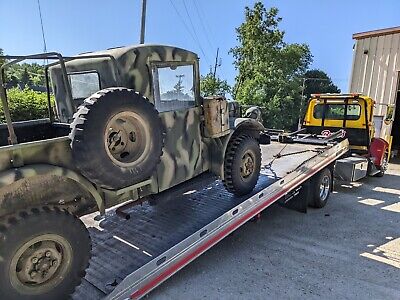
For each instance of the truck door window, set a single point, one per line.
(83, 84)
(353, 111)
(174, 87)
(337, 111)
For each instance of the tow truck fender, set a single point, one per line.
(377, 150)
(11, 176)
(238, 125)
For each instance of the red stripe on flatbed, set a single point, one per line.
(214, 240)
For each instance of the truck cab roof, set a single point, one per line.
(337, 96)
(130, 67)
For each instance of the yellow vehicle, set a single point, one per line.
(353, 115)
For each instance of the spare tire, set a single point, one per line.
(117, 138)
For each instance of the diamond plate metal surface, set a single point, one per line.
(123, 246)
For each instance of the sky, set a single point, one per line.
(75, 26)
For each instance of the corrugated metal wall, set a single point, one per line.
(375, 71)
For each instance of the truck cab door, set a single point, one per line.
(176, 98)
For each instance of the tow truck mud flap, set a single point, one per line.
(298, 198)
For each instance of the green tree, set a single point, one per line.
(25, 80)
(315, 82)
(26, 74)
(269, 69)
(2, 60)
(211, 85)
(318, 82)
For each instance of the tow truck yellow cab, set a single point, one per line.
(351, 113)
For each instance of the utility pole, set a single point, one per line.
(178, 86)
(303, 88)
(216, 64)
(143, 23)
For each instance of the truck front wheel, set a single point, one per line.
(43, 254)
(242, 164)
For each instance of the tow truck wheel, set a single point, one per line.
(44, 253)
(242, 164)
(322, 188)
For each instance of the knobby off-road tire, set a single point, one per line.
(117, 138)
(242, 164)
(322, 186)
(44, 253)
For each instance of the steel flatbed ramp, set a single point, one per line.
(131, 257)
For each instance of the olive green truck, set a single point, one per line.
(125, 123)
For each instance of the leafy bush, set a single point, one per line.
(25, 104)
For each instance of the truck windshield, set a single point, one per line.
(174, 87)
(337, 111)
(84, 84)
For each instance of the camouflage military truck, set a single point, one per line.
(128, 122)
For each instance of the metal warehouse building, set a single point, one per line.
(376, 73)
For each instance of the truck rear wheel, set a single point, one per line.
(242, 164)
(44, 253)
(322, 188)
(117, 138)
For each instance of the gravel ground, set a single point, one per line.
(349, 250)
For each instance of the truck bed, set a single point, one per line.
(34, 130)
(143, 243)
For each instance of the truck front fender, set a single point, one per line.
(247, 124)
(377, 150)
(11, 176)
(219, 145)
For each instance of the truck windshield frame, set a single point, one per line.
(164, 103)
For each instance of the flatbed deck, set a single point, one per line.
(131, 257)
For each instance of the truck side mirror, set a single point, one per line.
(389, 117)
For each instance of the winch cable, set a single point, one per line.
(279, 155)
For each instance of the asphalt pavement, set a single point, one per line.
(348, 250)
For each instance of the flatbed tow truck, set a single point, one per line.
(157, 239)
(118, 134)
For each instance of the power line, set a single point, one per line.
(191, 23)
(202, 24)
(41, 24)
(203, 16)
(188, 30)
(208, 34)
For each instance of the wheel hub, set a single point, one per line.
(41, 263)
(117, 141)
(127, 138)
(247, 165)
(324, 188)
